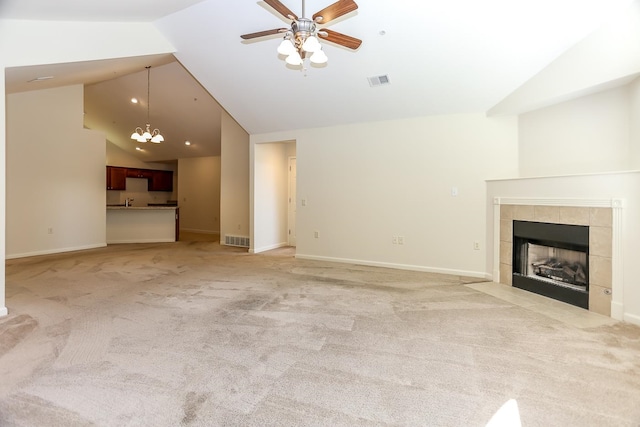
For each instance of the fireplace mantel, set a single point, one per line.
(604, 215)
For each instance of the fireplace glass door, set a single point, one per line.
(552, 260)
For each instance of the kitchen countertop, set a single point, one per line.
(141, 208)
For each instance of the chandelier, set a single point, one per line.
(300, 40)
(147, 134)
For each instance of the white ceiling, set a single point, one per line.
(442, 57)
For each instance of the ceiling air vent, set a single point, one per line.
(379, 80)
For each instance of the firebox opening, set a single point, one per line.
(552, 260)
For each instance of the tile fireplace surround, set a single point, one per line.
(603, 220)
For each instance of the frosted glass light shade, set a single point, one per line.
(311, 44)
(141, 138)
(286, 47)
(319, 57)
(294, 59)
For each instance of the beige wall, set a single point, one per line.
(634, 115)
(199, 194)
(365, 183)
(234, 192)
(116, 156)
(588, 134)
(55, 174)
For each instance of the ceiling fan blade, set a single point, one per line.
(263, 33)
(339, 38)
(334, 11)
(281, 9)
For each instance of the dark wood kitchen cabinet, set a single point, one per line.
(139, 173)
(161, 181)
(116, 178)
(157, 180)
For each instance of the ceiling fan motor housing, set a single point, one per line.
(302, 28)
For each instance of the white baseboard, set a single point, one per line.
(3, 311)
(631, 318)
(268, 248)
(617, 310)
(422, 268)
(55, 251)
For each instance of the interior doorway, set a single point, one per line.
(272, 185)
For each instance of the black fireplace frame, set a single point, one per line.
(563, 236)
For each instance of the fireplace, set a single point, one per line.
(552, 260)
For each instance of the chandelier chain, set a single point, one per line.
(148, 91)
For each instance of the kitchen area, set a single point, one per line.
(141, 206)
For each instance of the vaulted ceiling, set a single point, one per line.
(441, 57)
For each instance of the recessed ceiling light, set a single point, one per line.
(187, 143)
(134, 100)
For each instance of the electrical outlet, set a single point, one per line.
(454, 191)
(476, 246)
(401, 240)
(316, 234)
(239, 227)
(50, 230)
(304, 202)
(394, 240)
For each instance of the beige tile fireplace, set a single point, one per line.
(603, 228)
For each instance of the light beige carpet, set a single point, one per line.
(193, 333)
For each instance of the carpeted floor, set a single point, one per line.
(192, 333)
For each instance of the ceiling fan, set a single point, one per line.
(301, 40)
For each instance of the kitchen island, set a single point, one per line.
(142, 224)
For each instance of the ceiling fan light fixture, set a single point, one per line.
(286, 47)
(303, 34)
(294, 59)
(319, 57)
(311, 44)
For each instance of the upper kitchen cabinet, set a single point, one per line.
(116, 178)
(139, 173)
(161, 181)
(157, 180)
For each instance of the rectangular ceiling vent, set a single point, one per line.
(379, 80)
